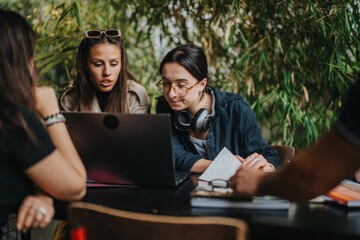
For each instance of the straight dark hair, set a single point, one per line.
(17, 79)
(83, 89)
(191, 57)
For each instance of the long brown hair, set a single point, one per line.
(83, 89)
(17, 83)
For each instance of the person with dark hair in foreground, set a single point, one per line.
(35, 147)
(206, 119)
(317, 170)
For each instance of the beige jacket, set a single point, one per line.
(137, 100)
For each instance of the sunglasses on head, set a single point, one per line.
(98, 33)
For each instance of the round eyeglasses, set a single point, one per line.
(179, 90)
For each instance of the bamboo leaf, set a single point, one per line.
(313, 8)
(46, 61)
(77, 15)
(64, 14)
(263, 58)
(43, 55)
(228, 30)
(231, 35)
(331, 65)
(50, 66)
(347, 25)
(323, 28)
(243, 38)
(244, 57)
(338, 59)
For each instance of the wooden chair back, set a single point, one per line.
(286, 153)
(106, 223)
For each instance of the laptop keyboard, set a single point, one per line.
(180, 176)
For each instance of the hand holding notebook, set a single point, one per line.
(213, 190)
(223, 167)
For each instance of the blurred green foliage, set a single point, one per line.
(293, 61)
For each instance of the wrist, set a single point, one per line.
(46, 198)
(43, 195)
(200, 166)
(47, 112)
(261, 187)
(54, 118)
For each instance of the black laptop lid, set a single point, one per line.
(124, 148)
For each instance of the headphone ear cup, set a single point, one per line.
(199, 120)
(208, 122)
(210, 118)
(182, 120)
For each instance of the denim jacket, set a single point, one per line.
(235, 127)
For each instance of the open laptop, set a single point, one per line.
(132, 149)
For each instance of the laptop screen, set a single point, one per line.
(124, 148)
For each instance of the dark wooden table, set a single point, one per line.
(301, 221)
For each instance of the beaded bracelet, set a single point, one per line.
(54, 118)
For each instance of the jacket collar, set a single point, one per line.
(222, 99)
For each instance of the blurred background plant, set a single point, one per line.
(293, 61)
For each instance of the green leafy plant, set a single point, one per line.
(293, 61)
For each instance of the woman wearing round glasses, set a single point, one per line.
(104, 82)
(207, 119)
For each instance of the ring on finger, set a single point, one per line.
(42, 210)
(255, 160)
(252, 158)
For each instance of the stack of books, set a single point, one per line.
(347, 193)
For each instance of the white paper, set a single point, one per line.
(223, 167)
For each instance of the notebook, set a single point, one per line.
(129, 149)
(213, 191)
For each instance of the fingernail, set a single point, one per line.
(18, 226)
